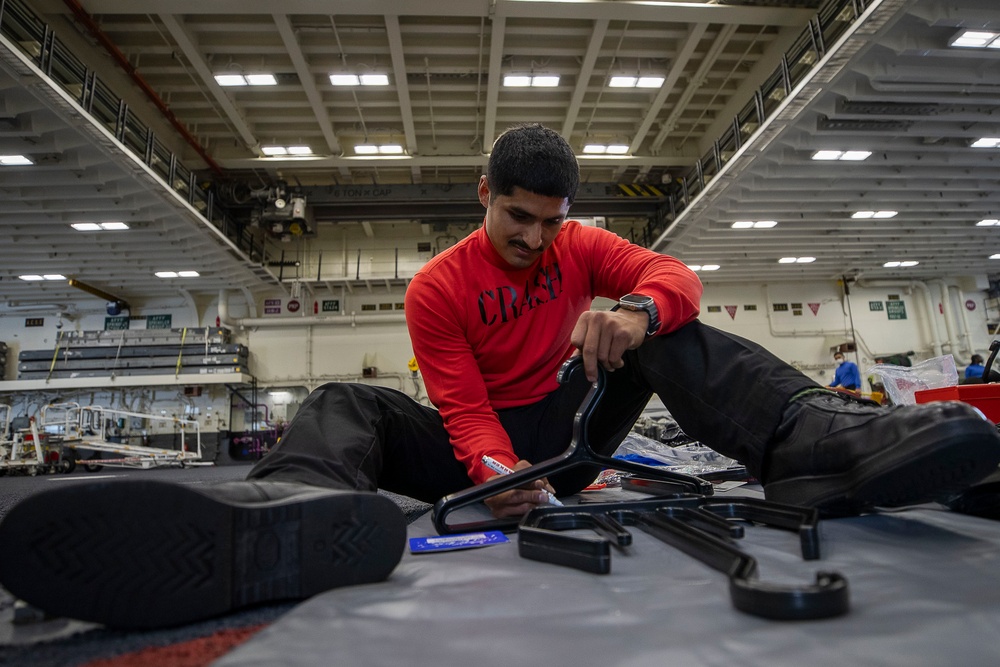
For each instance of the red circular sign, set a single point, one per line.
(293, 306)
(970, 304)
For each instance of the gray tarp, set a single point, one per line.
(925, 590)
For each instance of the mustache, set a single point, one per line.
(523, 246)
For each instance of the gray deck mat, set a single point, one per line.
(925, 590)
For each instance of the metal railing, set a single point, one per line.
(35, 39)
(830, 22)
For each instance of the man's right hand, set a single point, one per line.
(521, 500)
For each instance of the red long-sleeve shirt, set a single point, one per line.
(488, 336)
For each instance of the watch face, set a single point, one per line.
(636, 300)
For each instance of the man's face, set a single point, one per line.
(838, 360)
(523, 224)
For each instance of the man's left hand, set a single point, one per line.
(602, 337)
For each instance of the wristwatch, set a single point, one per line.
(641, 302)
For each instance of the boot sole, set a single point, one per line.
(944, 461)
(144, 554)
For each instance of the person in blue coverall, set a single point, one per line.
(847, 375)
(975, 368)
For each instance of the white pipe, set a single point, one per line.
(949, 324)
(963, 330)
(301, 320)
(928, 304)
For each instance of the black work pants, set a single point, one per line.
(724, 391)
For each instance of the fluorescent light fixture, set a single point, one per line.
(985, 142)
(796, 260)
(54, 276)
(274, 151)
(995, 256)
(989, 222)
(909, 262)
(261, 80)
(31, 276)
(345, 80)
(974, 39)
(545, 81)
(516, 81)
(635, 81)
(786, 260)
(844, 156)
(374, 79)
(754, 224)
(709, 267)
(865, 215)
(99, 226)
(891, 265)
(230, 79)
(623, 81)
(378, 149)
(904, 263)
(602, 149)
(14, 160)
(177, 274)
(534, 81)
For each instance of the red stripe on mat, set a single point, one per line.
(194, 653)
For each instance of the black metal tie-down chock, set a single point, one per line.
(699, 527)
(578, 453)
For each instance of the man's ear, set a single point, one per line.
(484, 192)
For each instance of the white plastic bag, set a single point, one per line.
(902, 382)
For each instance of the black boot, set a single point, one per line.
(846, 457)
(143, 554)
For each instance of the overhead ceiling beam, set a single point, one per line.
(307, 81)
(583, 78)
(684, 54)
(493, 82)
(402, 87)
(695, 82)
(189, 48)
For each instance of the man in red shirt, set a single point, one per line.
(491, 321)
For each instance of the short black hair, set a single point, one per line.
(534, 158)
(976, 359)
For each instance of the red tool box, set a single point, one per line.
(986, 397)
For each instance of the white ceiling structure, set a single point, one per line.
(750, 90)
